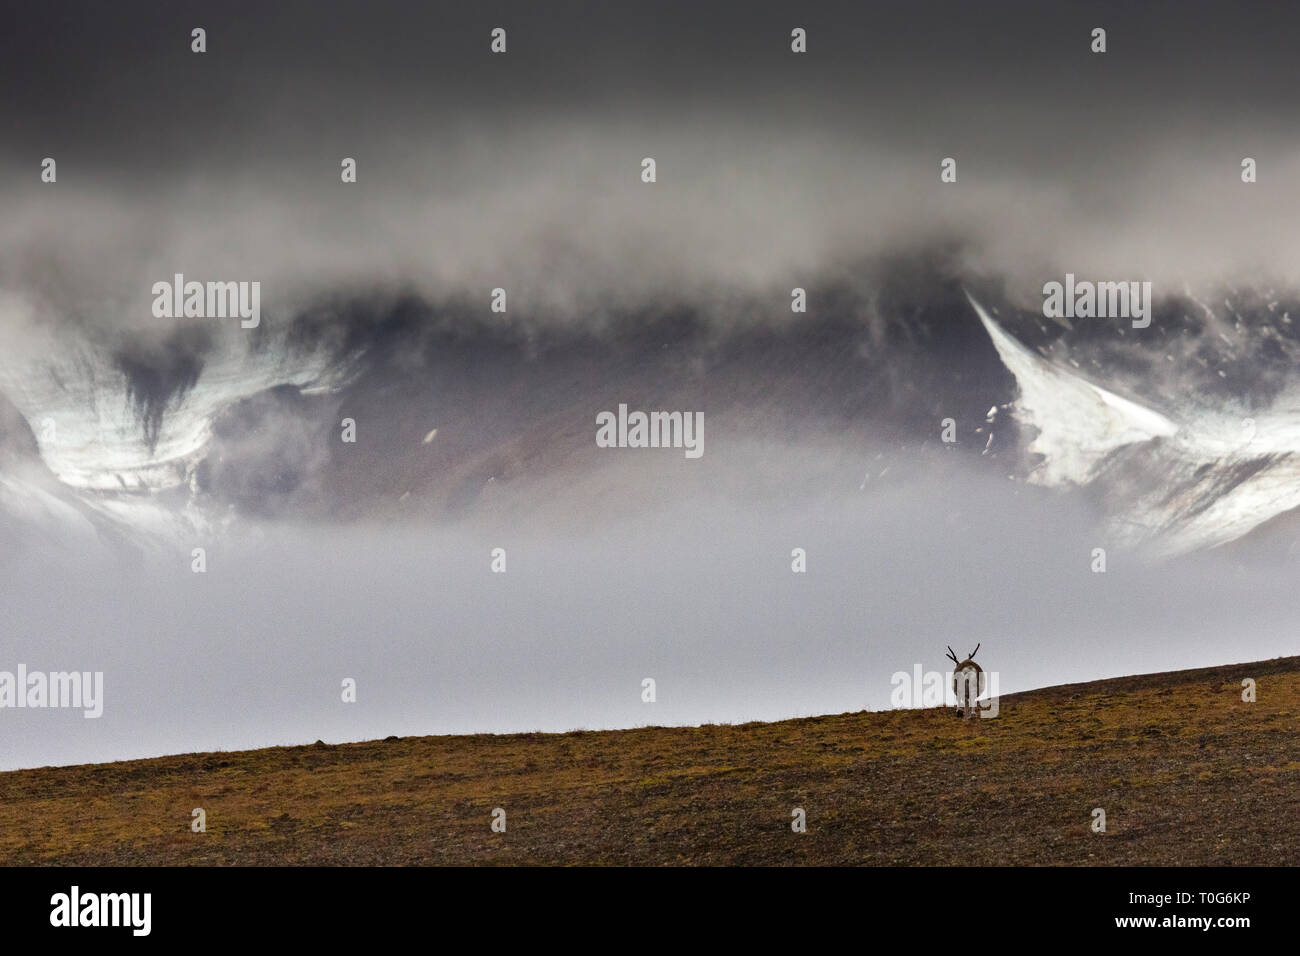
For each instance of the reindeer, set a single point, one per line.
(967, 682)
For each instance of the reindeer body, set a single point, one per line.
(967, 682)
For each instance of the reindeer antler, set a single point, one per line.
(953, 655)
(972, 654)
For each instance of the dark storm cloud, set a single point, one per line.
(522, 171)
(97, 68)
(479, 170)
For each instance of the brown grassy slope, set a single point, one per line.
(1187, 773)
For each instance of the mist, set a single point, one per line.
(695, 592)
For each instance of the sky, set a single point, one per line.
(476, 168)
(523, 170)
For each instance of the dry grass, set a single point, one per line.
(1187, 773)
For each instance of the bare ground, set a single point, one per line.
(1186, 771)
